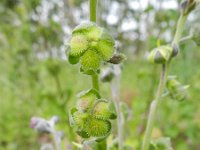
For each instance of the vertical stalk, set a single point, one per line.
(95, 82)
(93, 14)
(93, 10)
(155, 104)
(116, 100)
(154, 108)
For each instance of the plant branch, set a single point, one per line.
(154, 108)
(155, 104)
(185, 39)
(179, 28)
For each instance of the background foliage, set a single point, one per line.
(36, 79)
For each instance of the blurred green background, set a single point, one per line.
(37, 80)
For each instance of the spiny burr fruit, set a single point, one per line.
(90, 45)
(91, 117)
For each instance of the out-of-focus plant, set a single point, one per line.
(42, 125)
(163, 55)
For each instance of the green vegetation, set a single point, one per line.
(37, 80)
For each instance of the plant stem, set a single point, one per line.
(93, 10)
(95, 81)
(179, 28)
(154, 108)
(115, 86)
(185, 39)
(155, 104)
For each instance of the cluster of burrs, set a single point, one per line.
(90, 45)
(91, 116)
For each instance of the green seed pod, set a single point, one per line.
(80, 119)
(78, 45)
(176, 90)
(160, 55)
(97, 127)
(90, 61)
(94, 33)
(105, 49)
(90, 44)
(83, 28)
(83, 133)
(101, 110)
(86, 101)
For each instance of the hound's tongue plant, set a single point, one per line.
(163, 55)
(91, 45)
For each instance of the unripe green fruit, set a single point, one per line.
(83, 28)
(85, 102)
(101, 110)
(97, 128)
(90, 61)
(78, 45)
(92, 44)
(80, 119)
(160, 55)
(94, 33)
(105, 49)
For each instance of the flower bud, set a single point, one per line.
(160, 55)
(176, 90)
(117, 58)
(188, 5)
(175, 50)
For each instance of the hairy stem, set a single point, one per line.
(116, 100)
(95, 81)
(154, 108)
(93, 10)
(155, 104)
(179, 28)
